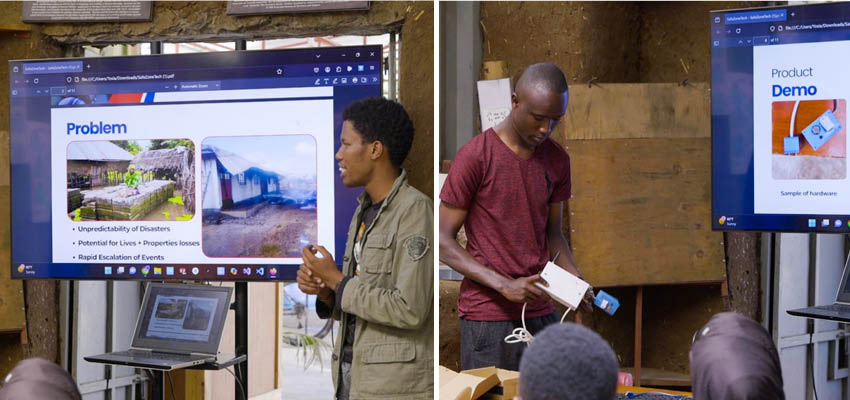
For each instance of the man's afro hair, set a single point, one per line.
(386, 121)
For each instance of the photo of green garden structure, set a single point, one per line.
(131, 180)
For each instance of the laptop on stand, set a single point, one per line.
(178, 326)
(837, 311)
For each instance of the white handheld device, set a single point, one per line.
(564, 287)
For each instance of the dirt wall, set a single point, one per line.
(585, 39)
(675, 38)
(416, 91)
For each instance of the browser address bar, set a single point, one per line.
(243, 94)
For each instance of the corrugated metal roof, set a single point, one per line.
(231, 162)
(99, 150)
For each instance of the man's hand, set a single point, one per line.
(584, 314)
(311, 285)
(322, 268)
(522, 290)
(587, 302)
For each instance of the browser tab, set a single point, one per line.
(53, 67)
(751, 17)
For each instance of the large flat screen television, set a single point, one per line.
(215, 166)
(779, 91)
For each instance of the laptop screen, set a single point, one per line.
(186, 318)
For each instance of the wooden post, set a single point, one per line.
(494, 70)
(638, 331)
(277, 331)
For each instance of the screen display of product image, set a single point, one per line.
(215, 166)
(779, 118)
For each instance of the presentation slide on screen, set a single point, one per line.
(182, 318)
(235, 182)
(800, 94)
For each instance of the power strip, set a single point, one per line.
(564, 287)
(822, 129)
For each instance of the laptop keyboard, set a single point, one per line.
(158, 356)
(836, 307)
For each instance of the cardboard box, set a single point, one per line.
(506, 389)
(483, 383)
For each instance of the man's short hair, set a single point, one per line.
(546, 76)
(568, 362)
(386, 121)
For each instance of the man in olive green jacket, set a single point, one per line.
(384, 294)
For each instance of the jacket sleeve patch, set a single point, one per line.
(417, 247)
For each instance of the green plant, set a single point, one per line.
(157, 144)
(184, 217)
(176, 200)
(76, 214)
(131, 147)
(167, 215)
(310, 349)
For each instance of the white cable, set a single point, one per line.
(793, 119)
(522, 335)
(565, 314)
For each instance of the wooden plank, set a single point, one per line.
(640, 212)
(671, 315)
(12, 313)
(11, 352)
(15, 28)
(221, 384)
(261, 338)
(278, 323)
(188, 384)
(659, 377)
(262, 341)
(638, 110)
(638, 390)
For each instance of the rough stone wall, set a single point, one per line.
(193, 21)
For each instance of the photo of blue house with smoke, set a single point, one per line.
(259, 195)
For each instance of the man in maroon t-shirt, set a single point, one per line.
(507, 186)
